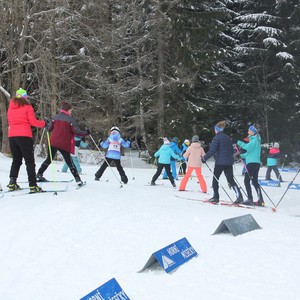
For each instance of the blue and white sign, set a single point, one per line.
(291, 170)
(272, 183)
(295, 186)
(172, 256)
(111, 290)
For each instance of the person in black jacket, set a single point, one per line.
(221, 148)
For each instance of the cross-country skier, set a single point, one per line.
(274, 154)
(80, 142)
(222, 149)
(63, 129)
(21, 117)
(164, 154)
(113, 143)
(253, 162)
(194, 154)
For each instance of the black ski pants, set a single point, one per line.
(159, 170)
(22, 147)
(252, 173)
(67, 157)
(276, 171)
(228, 171)
(117, 162)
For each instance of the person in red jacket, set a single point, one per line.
(21, 117)
(63, 129)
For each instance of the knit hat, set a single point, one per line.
(195, 139)
(166, 141)
(175, 139)
(66, 106)
(21, 93)
(218, 129)
(276, 145)
(115, 128)
(253, 129)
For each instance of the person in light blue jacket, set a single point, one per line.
(253, 161)
(80, 142)
(177, 151)
(164, 154)
(113, 143)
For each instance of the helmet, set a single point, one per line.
(115, 128)
(175, 139)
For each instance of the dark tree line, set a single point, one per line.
(157, 68)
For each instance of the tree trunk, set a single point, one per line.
(160, 88)
(5, 146)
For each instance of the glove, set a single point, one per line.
(83, 139)
(88, 132)
(47, 123)
(203, 160)
(100, 141)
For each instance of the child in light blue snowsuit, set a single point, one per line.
(113, 144)
(177, 151)
(79, 143)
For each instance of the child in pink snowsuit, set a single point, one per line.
(194, 153)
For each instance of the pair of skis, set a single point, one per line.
(55, 191)
(221, 202)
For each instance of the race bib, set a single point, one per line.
(114, 146)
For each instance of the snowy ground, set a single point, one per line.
(58, 247)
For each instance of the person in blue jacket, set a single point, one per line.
(253, 162)
(177, 151)
(164, 154)
(80, 142)
(222, 149)
(113, 144)
(184, 147)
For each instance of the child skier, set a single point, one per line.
(194, 154)
(184, 146)
(79, 143)
(273, 156)
(113, 143)
(177, 151)
(164, 155)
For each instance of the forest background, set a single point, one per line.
(157, 67)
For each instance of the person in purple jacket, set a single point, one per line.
(221, 148)
(113, 143)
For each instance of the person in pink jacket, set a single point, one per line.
(194, 153)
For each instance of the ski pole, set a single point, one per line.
(283, 161)
(218, 182)
(51, 160)
(287, 189)
(103, 156)
(251, 177)
(239, 186)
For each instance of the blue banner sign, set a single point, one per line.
(273, 183)
(292, 170)
(111, 290)
(294, 186)
(172, 256)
